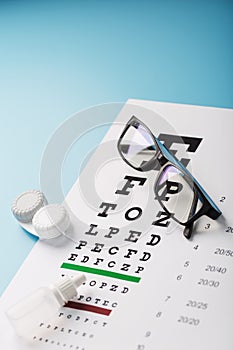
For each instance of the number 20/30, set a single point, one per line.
(208, 283)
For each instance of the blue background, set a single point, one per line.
(58, 57)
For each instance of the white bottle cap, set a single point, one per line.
(27, 204)
(51, 221)
(66, 288)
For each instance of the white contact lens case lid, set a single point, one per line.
(51, 221)
(27, 204)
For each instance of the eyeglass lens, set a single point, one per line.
(177, 194)
(137, 145)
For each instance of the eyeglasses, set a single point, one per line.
(178, 192)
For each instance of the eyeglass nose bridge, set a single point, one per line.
(154, 164)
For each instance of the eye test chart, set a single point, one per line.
(147, 286)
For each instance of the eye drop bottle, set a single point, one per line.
(42, 305)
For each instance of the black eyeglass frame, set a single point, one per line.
(166, 158)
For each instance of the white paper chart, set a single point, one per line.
(147, 286)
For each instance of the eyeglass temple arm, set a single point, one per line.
(188, 230)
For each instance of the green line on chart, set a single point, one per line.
(112, 274)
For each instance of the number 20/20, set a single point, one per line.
(189, 320)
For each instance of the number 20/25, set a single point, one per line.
(197, 304)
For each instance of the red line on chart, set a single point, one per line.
(86, 307)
